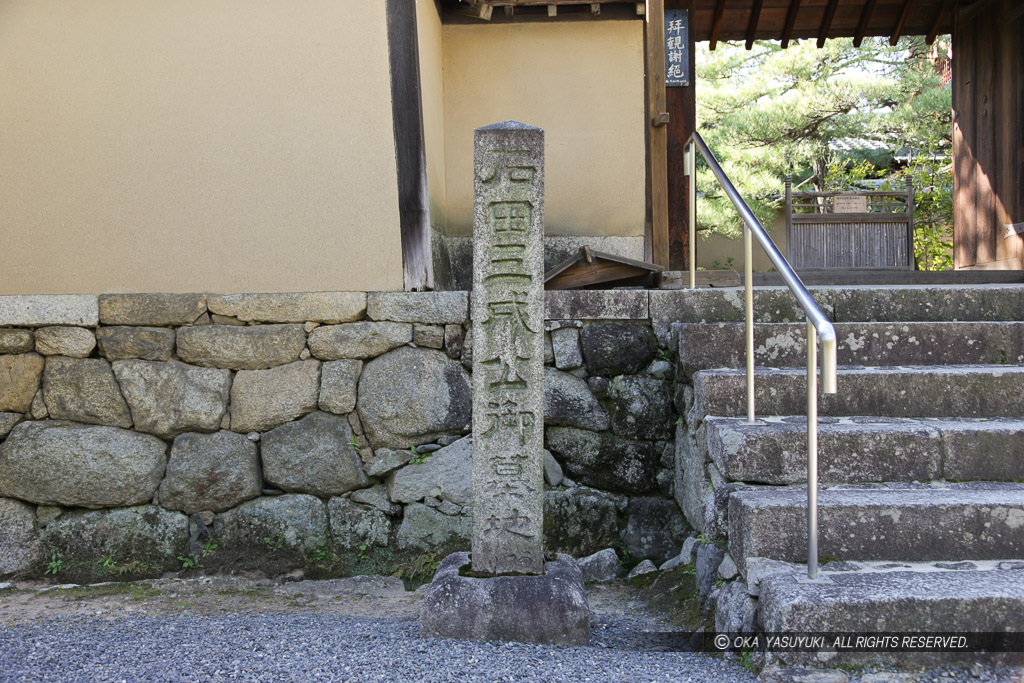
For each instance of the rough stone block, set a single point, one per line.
(241, 348)
(931, 303)
(596, 305)
(210, 472)
(549, 609)
(74, 465)
(580, 521)
(16, 341)
(338, 382)
(427, 529)
(7, 422)
(435, 308)
(568, 402)
(19, 381)
(168, 399)
(358, 340)
(271, 532)
(604, 461)
(640, 407)
(84, 390)
(74, 342)
(151, 309)
(428, 336)
(412, 396)
(356, 526)
(313, 455)
(552, 470)
(39, 310)
(291, 307)
(602, 566)
(618, 348)
(446, 474)
(145, 343)
(19, 537)
(565, 346)
(263, 399)
(654, 529)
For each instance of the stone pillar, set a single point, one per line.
(508, 349)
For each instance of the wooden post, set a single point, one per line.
(682, 112)
(657, 134)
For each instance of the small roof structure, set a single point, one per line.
(588, 269)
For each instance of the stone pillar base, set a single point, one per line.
(549, 609)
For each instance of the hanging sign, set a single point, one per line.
(677, 47)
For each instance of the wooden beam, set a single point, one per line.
(682, 107)
(826, 22)
(716, 23)
(755, 15)
(657, 136)
(862, 26)
(898, 28)
(787, 30)
(940, 15)
(477, 10)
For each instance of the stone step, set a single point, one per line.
(723, 345)
(915, 523)
(865, 449)
(880, 303)
(972, 391)
(894, 602)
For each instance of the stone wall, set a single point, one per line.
(328, 432)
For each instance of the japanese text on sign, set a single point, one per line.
(677, 47)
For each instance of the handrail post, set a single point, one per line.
(812, 453)
(691, 165)
(748, 295)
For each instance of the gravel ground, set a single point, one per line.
(204, 630)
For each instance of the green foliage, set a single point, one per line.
(55, 565)
(420, 569)
(274, 544)
(418, 458)
(768, 112)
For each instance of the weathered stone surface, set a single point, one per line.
(552, 470)
(262, 399)
(84, 390)
(19, 381)
(338, 382)
(565, 345)
(429, 336)
(641, 408)
(146, 343)
(145, 534)
(291, 307)
(579, 521)
(910, 523)
(549, 609)
(313, 455)
(728, 569)
(437, 308)
(7, 422)
(74, 342)
(758, 568)
(982, 449)
(354, 526)
(19, 537)
(604, 461)
(618, 348)
(654, 529)
(693, 492)
(63, 463)
(931, 303)
(16, 341)
(285, 530)
(411, 396)
(425, 528)
(151, 309)
(241, 348)
(38, 310)
(386, 460)
(210, 472)
(709, 558)
(445, 474)
(377, 497)
(596, 305)
(168, 399)
(645, 567)
(735, 610)
(688, 555)
(568, 402)
(39, 411)
(602, 566)
(453, 340)
(358, 340)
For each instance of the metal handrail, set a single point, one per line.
(818, 324)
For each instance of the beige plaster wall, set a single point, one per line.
(583, 83)
(720, 248)
(190, 145)
(428, 25)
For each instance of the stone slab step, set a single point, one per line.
(723, 345)
(982, 521)
(965, 601)
(864, 449)
(880, 303)
(972, 391)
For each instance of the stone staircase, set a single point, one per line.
(921, 460)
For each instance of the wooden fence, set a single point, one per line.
(850, 229)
